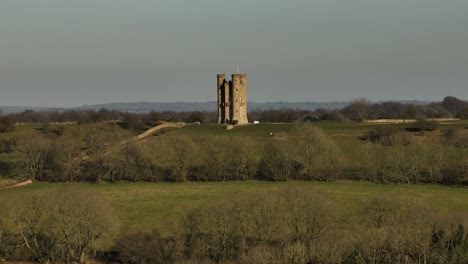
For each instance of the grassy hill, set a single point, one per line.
(345, 134)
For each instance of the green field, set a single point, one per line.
(344, 134)
(332, 128)
(146, 206)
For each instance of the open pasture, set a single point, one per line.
(345, 134)
(146, 206)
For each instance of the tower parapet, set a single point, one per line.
(232, 99)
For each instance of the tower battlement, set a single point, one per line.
(232, 99)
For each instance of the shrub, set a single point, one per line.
(422, 125)
(145, 248)
(7, 124)
(388, 136)
(7, 145)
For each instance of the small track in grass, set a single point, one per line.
(15, 185)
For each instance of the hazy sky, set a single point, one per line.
(74, 52)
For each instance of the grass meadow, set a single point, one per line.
(344, 134)
(147, 206)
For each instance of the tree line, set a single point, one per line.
(358, 110)
(287, 225)
(94, 153)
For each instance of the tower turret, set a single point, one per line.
(232, 100)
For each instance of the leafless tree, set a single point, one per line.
(32, 155)
(57, 226)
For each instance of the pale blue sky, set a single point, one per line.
(74, 52)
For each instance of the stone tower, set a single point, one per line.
(232, 99)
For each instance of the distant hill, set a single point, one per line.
(144, 107)
(209, 106)
(18, 109)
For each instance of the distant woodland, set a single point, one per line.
(357, 110)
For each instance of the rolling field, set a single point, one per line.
(332, 128)
(344, 134)
(145, 206)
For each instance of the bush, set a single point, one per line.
(387, 135)
(422, 125)
(7, 146)
(145, 248)
(7, 124)
(291, 220)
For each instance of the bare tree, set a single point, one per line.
(57, 226)
(359, 110)
(33, 154)
(434, 159)
(243, 158)
(181, 154)
(319, 155)
(7, 124)
(279, 160)
(215, 157)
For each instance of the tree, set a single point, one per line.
(308, 214)
(145, 248)
(458, 139)
(67, 160)
(393, 229)
(243, 159)
(359, 110)
(196, 116)
(7, 124)
(434, 158)
(181, 155)
(58, 225)
(373, 162)
(33, 154)
(279, 161)
(403, 163)
(320, 157)
(463, 113)
(100, 141)
(410, 112)
(454, 105)
(214, 159)
(290, 220)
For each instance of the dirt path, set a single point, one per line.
(137, 138)
(14, 185)
(151, 131)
